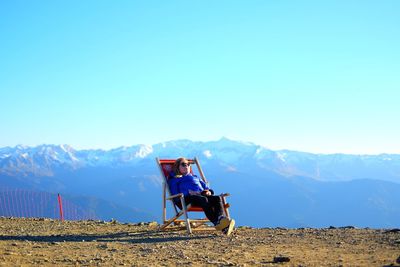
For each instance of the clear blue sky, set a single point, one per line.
(316, 76)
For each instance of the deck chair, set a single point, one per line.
(178, 200)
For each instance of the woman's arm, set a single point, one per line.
(173, 186)
(204, 185)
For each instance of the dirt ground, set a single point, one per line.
(45, 242)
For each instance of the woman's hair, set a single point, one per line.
(178, 162)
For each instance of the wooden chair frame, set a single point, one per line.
(166, 196)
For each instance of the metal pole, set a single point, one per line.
(61, 208)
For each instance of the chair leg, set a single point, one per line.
(166, 223)
(226, 211)
(189, 229)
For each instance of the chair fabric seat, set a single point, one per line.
(195, 209)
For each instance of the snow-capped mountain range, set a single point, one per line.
(268, 188)
(44, 159)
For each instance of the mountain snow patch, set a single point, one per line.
(72, 157)
(207, 153)
(281, 156)
(66, 148)
(144, 151)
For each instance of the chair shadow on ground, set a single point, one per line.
(128, 237)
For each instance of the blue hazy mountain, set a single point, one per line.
(268, 188)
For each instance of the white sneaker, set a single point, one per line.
(228, 230)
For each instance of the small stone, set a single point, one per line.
(281, 259)
(153, 224)
(394, 230)
(348, 227)
(103, 246)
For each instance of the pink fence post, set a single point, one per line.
(61, 209)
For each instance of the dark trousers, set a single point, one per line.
(212, 205)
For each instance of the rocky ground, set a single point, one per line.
(45, 242)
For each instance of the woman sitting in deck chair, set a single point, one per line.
(197, 193)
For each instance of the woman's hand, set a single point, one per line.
(206, 193)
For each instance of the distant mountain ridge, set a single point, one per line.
(268, 188)
(41, 160)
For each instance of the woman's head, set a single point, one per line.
(181, 166)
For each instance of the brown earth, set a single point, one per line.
(45, 242)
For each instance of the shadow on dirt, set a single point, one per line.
(129, 237)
